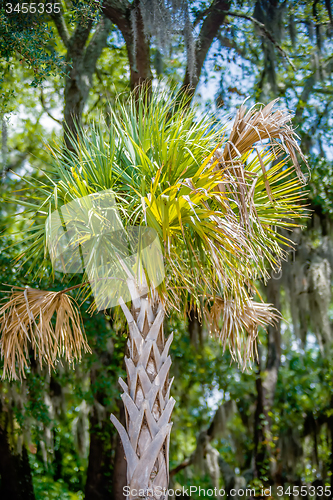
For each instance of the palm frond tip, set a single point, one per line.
(240, 323)
(28, 322)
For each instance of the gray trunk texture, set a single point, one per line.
(146, 398)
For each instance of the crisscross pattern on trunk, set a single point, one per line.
(147, 401)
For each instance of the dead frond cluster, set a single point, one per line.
(45, 322)
(240, 323)
(265, 136)
(262, 124)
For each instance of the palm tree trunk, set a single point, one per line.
(146, 397)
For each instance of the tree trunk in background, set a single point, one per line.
(146, 398)
(83, 66)
(9, 485)
(4, 146)
(15, 472)
(138, 52)
(82, 59)
(269, 13)
(103, 483)
(138, 48)
(206, 458)
(106, 463)
(26, 485)
(273, 344)
(120, 467)
(330, 425)
(266, 384)
(209, 30)
(98, 484)
(273, 292)
(195, 330)
(77, 86)
(260, 430)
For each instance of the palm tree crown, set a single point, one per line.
(215, 202)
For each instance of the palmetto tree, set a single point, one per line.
(214, 203)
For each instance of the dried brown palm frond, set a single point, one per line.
(259, 124)
(272, 129)
(240, 324)
(47, 322)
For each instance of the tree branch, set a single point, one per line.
(201, 15)
(216, 14)
(231, 44)
(78, 40)
(309, 88)
(213, 431)
(117, 10)
(119, 13)
(266, 33)
(60, 24)
(42, 100)
(181, 466)
(307, 22)
(15, 164)
(323, 91)
(96, 45)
